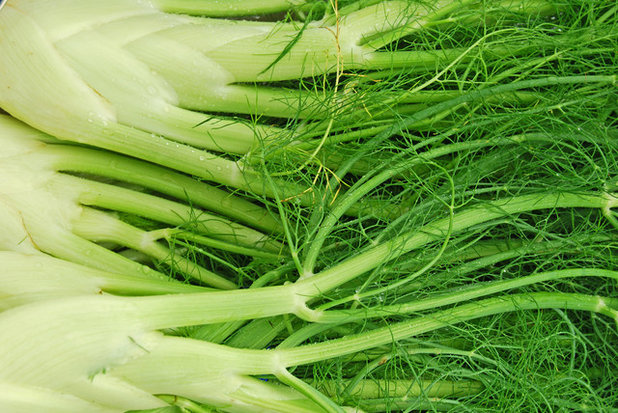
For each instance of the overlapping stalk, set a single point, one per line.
(434, 186)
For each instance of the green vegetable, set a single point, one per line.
(29, 278)
(415, 206)
(114, 352)
(118, 64)
(115, 359)
(48, 211)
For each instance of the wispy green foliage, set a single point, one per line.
(445, 186)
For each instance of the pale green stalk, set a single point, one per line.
(55, 223)
(473, 291)
(38, 198)
(20, 140)
(115, 336)
(87, 117)
(227, 8)
(24, 398)
(28, 278)
(98, 226)
(140, 106)
(120, 199)
(293, 298)
(47, 229)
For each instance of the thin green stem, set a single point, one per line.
(228, 8)
(179, 234)
(362, 188)
(485, 212)
(98, 226)
(536, 248)
(346, 202)
(471, 292)
(358, 379)
(516, 302)
(258, 333)
(110, 165)
(71, 247)
(157, 149)
(121, 199)
(320, 399)
(379, 388)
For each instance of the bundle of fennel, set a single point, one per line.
(410, 206)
